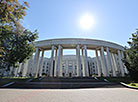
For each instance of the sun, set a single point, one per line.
(86, 21)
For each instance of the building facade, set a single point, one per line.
(106, 63)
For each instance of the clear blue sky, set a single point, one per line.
(115, 20)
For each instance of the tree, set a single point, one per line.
(16, 42)
(131, 57)
(11, 12)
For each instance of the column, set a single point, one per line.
(78, 61)
(30, 67)
(10, 71)
(58, 61)
(73, 69)
(55, 68)
(125, 69)
(66, 69)
(36, 62)
(45, 66)
(120, 63)
(41, 63)
(61, 71)
(25, 68)
(113, 64)
(83, 63)
(16, 71)
(117, 64)
(98, 65)
(103, 62)
(110, 68)
(19, 69)
(86, 62)
(52, 60)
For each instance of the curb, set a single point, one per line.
(29, 80)
(127, 86)
(8, 84)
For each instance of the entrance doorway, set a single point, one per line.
(70, 74)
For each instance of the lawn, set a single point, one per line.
(117, 79)
(133, 85)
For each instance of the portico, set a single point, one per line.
(107, 55)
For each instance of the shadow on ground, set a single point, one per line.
(63, 83)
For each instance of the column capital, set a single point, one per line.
(78, 45)
(38, 48)
(84, 46)
(52, 45)
(60, 46)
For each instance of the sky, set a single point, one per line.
(114, 20)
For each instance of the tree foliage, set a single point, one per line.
(16, 48)
(16, 42)
(11, 12)
(131, 58)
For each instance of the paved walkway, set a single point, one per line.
(69, 95)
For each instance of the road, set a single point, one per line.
(69, 95)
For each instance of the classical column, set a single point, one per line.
(78, 61)
(45, 66)
(11, 71)
(86, 61)
(25, 68)
(61, 71)
(58, 61)
(66, 68)
(52, 60)
(83, 63)
(16, 71)
(36, 62)
(19, 69)
(110, 67)
(113, 64)
(103, 62)
(120, 63)
(117, 64)
(30, 67)
(55, 67)
(73, 69)
(125, 69)
(41, 63)
(98, 64)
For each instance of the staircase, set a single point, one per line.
(64, 83)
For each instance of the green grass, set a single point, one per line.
(117, 79)
(133, 85)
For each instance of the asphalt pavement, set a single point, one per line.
(69, 95)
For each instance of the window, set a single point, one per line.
(62, 67)
(70, 67)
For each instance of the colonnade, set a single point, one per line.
(109, 64)
(108, 58)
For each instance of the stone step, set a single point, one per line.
(46, 79)
(64, 85)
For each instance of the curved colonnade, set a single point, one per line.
(108, 55)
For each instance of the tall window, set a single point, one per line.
(62, 67)
(70, 67)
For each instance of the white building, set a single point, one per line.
(106, 63)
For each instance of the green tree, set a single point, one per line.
(11, 12)
(131, 57)
(16, 42)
